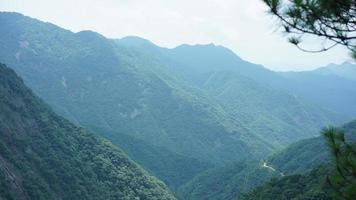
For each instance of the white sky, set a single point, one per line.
(241, 25)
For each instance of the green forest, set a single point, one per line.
(87, 113)
(44, 156)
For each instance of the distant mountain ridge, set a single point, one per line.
(248, 91)
(181, 101)
(338, 98)
(332, 87)
(96, 83)
(345, 70)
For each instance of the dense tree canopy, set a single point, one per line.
(344, 179)
(44, 156)
(332, 20)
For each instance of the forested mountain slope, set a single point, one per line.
(172, 168)
(224, 183)
(331, 87)
(273, 113)
(328, 90)
(297, 159)
(310, 184)
(145, 96)
(43, 156)
(307, 154)
(301, 156)
(229, 181)
(98, 84)
(244, 89)
(345, 70)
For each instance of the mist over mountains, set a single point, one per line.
(188, 115)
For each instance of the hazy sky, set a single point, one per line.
(241, 25)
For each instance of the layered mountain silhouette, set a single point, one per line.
(332, 87)
(177, 112)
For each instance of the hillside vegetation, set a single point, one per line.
(307, 184)
(96, 83)
(311, 185)
(226, 182)
(248, 92)
(43, 156)
(292, 164)
(177, 112)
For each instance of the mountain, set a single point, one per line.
(198, 117)
(230, 181)
(191, 61)
(95, 82)
(146, 99)
(172, 168)
(114, 89)
(44, 156)
(244, 89)
(306, 165)
(345, 70)
(273, 113)
(332, 87)
(311, 185)
(298, 164)
(301, 156)
(226, 182)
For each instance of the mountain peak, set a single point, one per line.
(207, 46)
(89, 34)
(197, 45)
(12, 14)
(345, 70)
(134, 41)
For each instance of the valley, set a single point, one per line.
(84, 116)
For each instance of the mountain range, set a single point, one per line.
(332, 87)
(185, 114)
